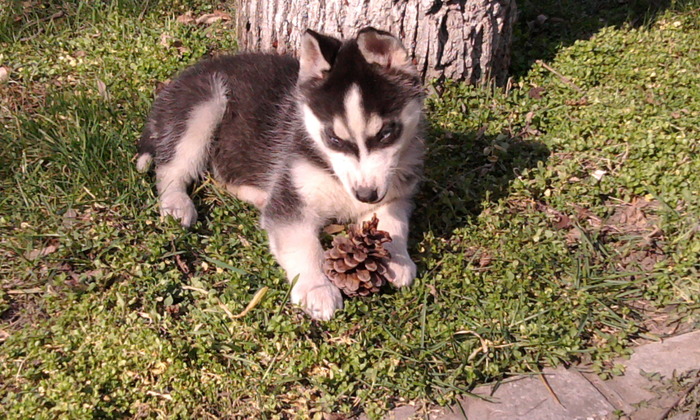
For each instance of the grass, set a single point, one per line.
(556, 220)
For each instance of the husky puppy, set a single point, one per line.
(334, 135)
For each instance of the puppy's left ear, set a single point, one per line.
(384, 49)
(317, 55)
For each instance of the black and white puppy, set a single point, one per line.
(334, 135)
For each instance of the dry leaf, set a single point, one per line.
(159, 395)
(165, 39)
(573, 237)
(485, 260)
(577, 102)
(537, 22)
(480, 133)
(599, 174)
(185, 18)
(102, 89)
(529, 116)
(4, 75)
(536, 92)
(36, 253)
(631, 219)
(210, 18)
(30, 291)
(433, 290)
(182, 49)
(333, 228)
(70, 217)
(563, 221)
(182, 265)
(243, 240)
(159, 368)
(173, 310)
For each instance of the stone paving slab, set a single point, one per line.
(582, 395)
(528, 398)
(673, 356)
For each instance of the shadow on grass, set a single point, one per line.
(463, 170)
(546, 26)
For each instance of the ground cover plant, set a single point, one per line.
(558, 223)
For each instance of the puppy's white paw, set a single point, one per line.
(402, 270)
(180, 206)
(319, 300)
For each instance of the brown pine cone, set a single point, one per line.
(357, 263)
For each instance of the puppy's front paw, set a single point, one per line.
(179, 206)
(402, 270)
(319, 300)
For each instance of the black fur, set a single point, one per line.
(384, 91)
(242, 150)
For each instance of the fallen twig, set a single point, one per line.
(560, 76)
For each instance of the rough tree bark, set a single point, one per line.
(455, 39)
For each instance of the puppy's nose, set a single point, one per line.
(367, 195)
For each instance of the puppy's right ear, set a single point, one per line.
(317, 55)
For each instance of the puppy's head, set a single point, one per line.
(362, 104)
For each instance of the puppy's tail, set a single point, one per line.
(147, 150)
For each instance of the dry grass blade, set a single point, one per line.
(549, 388)
(259, 295)
(33, 290)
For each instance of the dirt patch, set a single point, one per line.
(632, 232)
(16, 98)
(661, 322)
(635, 218)
(23, 310)
(629, 241)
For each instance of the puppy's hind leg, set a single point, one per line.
(190, 157)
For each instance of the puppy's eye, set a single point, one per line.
(333, 140)
(386, 133)
(336, 141)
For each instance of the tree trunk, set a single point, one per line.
(454, 39)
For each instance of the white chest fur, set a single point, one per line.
(324, 196)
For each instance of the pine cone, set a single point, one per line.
(357, 263)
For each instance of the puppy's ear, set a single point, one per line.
(382, 48)
(317, 55)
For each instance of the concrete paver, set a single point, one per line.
(528, 398)
(583, 395)
(673, 356)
